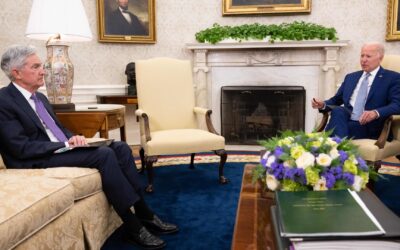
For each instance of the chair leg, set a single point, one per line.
(377, 166)
(150, 174)
(223, 156)
(141, 153)
(191, 166)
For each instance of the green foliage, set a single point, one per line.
(258, 173)
(296, 31)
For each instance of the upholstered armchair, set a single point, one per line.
(374, 151)
(169, 121)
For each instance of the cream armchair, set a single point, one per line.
(375, 151)
(169, 121)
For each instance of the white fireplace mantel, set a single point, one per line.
(312, 63)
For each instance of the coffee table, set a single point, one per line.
(253, 228)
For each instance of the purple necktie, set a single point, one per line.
(48, 120)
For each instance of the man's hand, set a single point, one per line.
(367, 117)
(317, 104)
(77, 140)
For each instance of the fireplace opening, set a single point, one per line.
(253, 113)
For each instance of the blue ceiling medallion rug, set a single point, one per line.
(204, 210)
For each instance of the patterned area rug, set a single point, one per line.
(391, 168)
(207, 157)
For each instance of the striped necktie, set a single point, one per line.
(361, 98)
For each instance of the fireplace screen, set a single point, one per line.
(253, 113)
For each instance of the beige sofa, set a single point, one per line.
(57, 208)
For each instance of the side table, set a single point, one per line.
(117, 99)
(90, 119)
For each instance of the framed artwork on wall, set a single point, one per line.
(126, 21)
(247, 7)
(393, 22)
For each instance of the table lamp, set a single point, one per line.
(58, 21)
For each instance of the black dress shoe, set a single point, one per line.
(146, 240)
(159, 227)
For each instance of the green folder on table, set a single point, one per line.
(325, 214)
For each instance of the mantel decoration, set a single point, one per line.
(296, 31)
(299, 161)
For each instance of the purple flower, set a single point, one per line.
(301, 176)
(337, 139)
(343, 156)
(290, 173)
(314, 150)
(278, 151)
(263, 162)
(363, 164)
(348, 178)
(330, 179)
(337, 172)
(277, 170)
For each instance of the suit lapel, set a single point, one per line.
(376, 83)
(21, 102)
(353, 83)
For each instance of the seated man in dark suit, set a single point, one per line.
(365, 99)
(30, 133)
(123, 22)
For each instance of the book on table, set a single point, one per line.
(310, 224)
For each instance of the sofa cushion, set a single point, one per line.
(2, 166)
(28, 203)
(86, 181)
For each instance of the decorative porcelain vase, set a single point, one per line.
(59, 74)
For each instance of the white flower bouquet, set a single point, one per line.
(299, 161)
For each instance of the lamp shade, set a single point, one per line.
(64, 17)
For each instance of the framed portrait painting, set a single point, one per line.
(393, 22)
(247, 7)
(126, 21)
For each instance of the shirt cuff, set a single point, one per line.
(377, 113)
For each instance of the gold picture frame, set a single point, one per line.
(248, 7)
(131, 21)
(393, 22)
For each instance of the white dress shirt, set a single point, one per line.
(370, 81)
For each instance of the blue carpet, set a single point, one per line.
(204, 210)
(388, 191)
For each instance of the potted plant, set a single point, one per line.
(296, 31)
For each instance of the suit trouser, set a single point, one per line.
(342, 126)
(121, 183)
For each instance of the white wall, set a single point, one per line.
(177, 21)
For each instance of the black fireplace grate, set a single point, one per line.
(253, 113)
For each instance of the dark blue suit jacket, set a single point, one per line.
(383, 96)
(24, 141)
